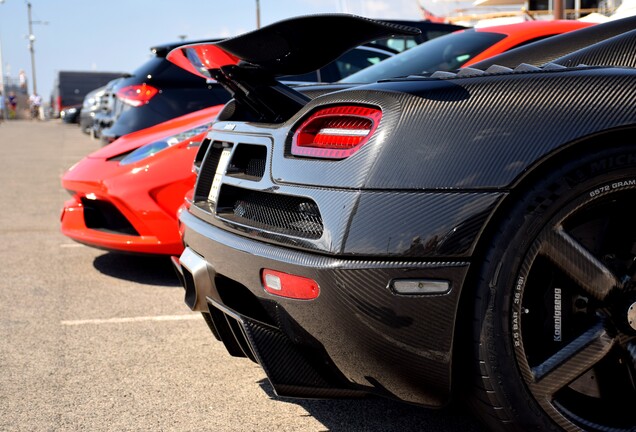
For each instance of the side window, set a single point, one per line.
(348, 63)
(307, 77)
(432, 34)
(356, 60)
(396, 44)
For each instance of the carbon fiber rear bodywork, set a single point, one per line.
(375, 328)
(414, 203)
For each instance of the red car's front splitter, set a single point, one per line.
(73, 225)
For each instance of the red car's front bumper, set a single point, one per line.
(130, 208)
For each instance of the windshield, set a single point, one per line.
(444, 53)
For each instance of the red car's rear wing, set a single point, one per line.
(247, 65)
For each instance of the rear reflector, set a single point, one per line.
(335, 132)
(137, 95)
(419, 286)
(290, 286)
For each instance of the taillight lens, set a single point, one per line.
(290, 286)
(137, 95)
(335, 132)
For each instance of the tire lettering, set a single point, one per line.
(518, 288)
(516, 339)
(599, 191)
(623, 184)
(613, 186)
(612, 162)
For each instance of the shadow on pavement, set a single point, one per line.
(150, 270)
(377, 414)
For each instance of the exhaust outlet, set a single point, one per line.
(194, 274)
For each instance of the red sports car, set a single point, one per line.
(126, 195)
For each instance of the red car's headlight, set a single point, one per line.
(194, 135)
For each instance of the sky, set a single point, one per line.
(115, 35)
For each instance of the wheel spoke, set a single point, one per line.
(631, 349)
(578, 263)
(572, 361)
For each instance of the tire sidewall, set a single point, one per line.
(503, 278)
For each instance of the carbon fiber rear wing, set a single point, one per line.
(247, 65)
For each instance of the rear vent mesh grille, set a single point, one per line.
(248, 162)
(284, 214)
(255, 168)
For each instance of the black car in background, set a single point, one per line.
(89, 109)
(71, 114)
(104, 114)
(157, 91)
(71, 87)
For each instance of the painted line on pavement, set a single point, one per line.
(132, 319)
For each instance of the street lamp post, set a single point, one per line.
(2, 88)
(258, 14)
(32, 50)
(559, 9)
(2, 108)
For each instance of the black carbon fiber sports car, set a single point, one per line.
(465, 233)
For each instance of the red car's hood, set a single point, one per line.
(137, 139)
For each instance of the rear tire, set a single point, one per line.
(552, 338)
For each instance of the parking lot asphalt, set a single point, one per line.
(98, 341)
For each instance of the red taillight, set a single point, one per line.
(137, 95)
(290, 286)
(335, 132)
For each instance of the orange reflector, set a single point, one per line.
(290, 286)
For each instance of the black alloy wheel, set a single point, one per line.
(556, 307)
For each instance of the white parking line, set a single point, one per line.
(133, 319)
(71, 245)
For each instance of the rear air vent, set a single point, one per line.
(198, 159)
(248, 162)
(284, 214)
(207, 171)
